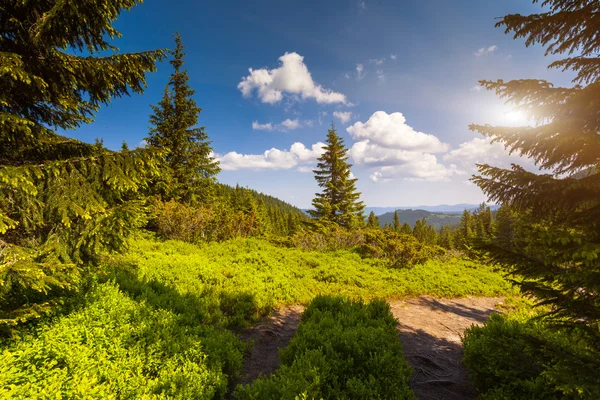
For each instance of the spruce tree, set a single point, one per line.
(373, 221)
(559, 210)
(396, 221)
(174, 128)
(339, 201)
(62, 202)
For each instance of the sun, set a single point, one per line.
(515, 117)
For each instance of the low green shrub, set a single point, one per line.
(343, 349)
(399, 250)
(325, 236)
(115, 347)
(517, 356)
(266, 275)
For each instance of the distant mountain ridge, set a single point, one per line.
(437, 220)
(442, 208)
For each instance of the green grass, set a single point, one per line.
(342, 350)
(273, 275)
(113, 347)
(156, 323)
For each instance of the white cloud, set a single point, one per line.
(360, 69)
(424, 169)
(142, 144)
(391, 131)
(287, 125)
(393, 56)
(387, 143)
(481, 151)
(485, 51)
(343, 116)
(377, 61)
(304, 169)
(380, 75)
(347, 75)
(363, 5)
(262, 127)
(292, 77)
(272, 159)
(290, 124)
(476, 88)
(321, 115)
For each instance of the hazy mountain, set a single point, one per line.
(411, 216)
(443, 208)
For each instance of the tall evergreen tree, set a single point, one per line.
(445, 238)
(62, 202)
(174, 128)
(339, 201)
(396, 221)
(559, 211)
(373, 221)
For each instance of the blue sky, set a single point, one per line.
(400, 77)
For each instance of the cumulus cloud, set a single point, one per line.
(485, 51)
(343, 116)
(287, 125)
(262, 127)
(360, 69)
(424, 169)
(290, 124)
(377, 61)
(396, 150)
(481, 151)
(391, 131)
(292, 77)
(273, 159)
(393, 56)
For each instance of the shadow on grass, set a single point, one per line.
(231, 310)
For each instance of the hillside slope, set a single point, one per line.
(411, 216)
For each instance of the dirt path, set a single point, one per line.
(429, 329)
(269, 336)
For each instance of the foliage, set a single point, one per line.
(192, 168)
(339, 202)
(373, 221)
(273, 275)
(397, 249)
(62, 202)
(342, 350)
(217, 222)
(517, 356)
(559, 253)
(283, 218)
(116, 347)
(323, 236)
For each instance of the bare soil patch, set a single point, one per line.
(272, 334)
(430, 330)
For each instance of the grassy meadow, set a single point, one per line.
(160, 321)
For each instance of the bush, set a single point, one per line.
(398, 249)
(327, 236)
(517, 356)
(217, 222)
(115, 347)
(343, 349)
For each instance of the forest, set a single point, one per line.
(135, 273)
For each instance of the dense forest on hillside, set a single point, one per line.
(136, 274)
(437, 220)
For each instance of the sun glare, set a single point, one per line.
(515, 117)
